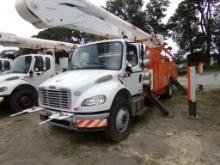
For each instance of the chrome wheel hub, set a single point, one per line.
(122, 120)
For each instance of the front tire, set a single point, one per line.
(120, 120)
(23, 99)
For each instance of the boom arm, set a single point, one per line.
(79, 15)
(7, 39)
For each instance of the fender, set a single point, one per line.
(110, 89)
(124, 92)
(26, 86)
(13, 85)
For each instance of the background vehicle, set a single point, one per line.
(110, 80)
(20, 86)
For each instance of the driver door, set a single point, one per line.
(39, 73)
(134, 78)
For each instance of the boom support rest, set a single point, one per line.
(158, 104)
(179, 86)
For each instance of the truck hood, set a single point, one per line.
(80, 79)
(11, 76)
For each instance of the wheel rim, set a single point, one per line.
(26, 101)
(122, 120)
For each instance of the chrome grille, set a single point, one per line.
(58, 99)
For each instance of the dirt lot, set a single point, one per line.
(153, 141)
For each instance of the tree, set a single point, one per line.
(130, 11)
(184, 27)
(217, 25)
(57, 34)
(207, 22)
(155, 12)
(67, 35)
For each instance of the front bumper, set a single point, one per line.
(78, 122)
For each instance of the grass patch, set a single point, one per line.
(212, 69)
(177, 100)
(209, 99)
(3, 148)
(69, 152)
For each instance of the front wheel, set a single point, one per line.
(23, 99)
(120, 120)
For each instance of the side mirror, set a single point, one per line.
(128, 68)
(31, 73)
(146, 62)
(142, 51)
(36, 69)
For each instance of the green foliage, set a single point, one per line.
(129, 10)
(148, 19)
(23, 51)
(184, 27)
(217, 30)
(207, 22)
(193, 26)
(58, 34)
(155, 12)
(67, 35)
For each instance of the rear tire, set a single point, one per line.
(120, 120)
(23, 99)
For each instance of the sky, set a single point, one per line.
(11, 22)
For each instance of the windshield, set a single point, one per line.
(21, 64)
(98, 56)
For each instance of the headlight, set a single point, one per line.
(94, 101)
(3, 89)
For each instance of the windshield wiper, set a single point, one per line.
(16, 71)
(74, 66)
(93, 63)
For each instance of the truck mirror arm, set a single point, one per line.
(128, 69)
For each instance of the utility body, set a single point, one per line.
(19, 86)
(108, 81)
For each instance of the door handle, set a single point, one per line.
(39, 74)
(140, 78)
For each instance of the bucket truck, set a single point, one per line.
(109, 80)
(20, 86)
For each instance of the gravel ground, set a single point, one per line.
(154, 140)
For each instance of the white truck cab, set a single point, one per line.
(19, 86)
(103, 90)
(5, 65)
